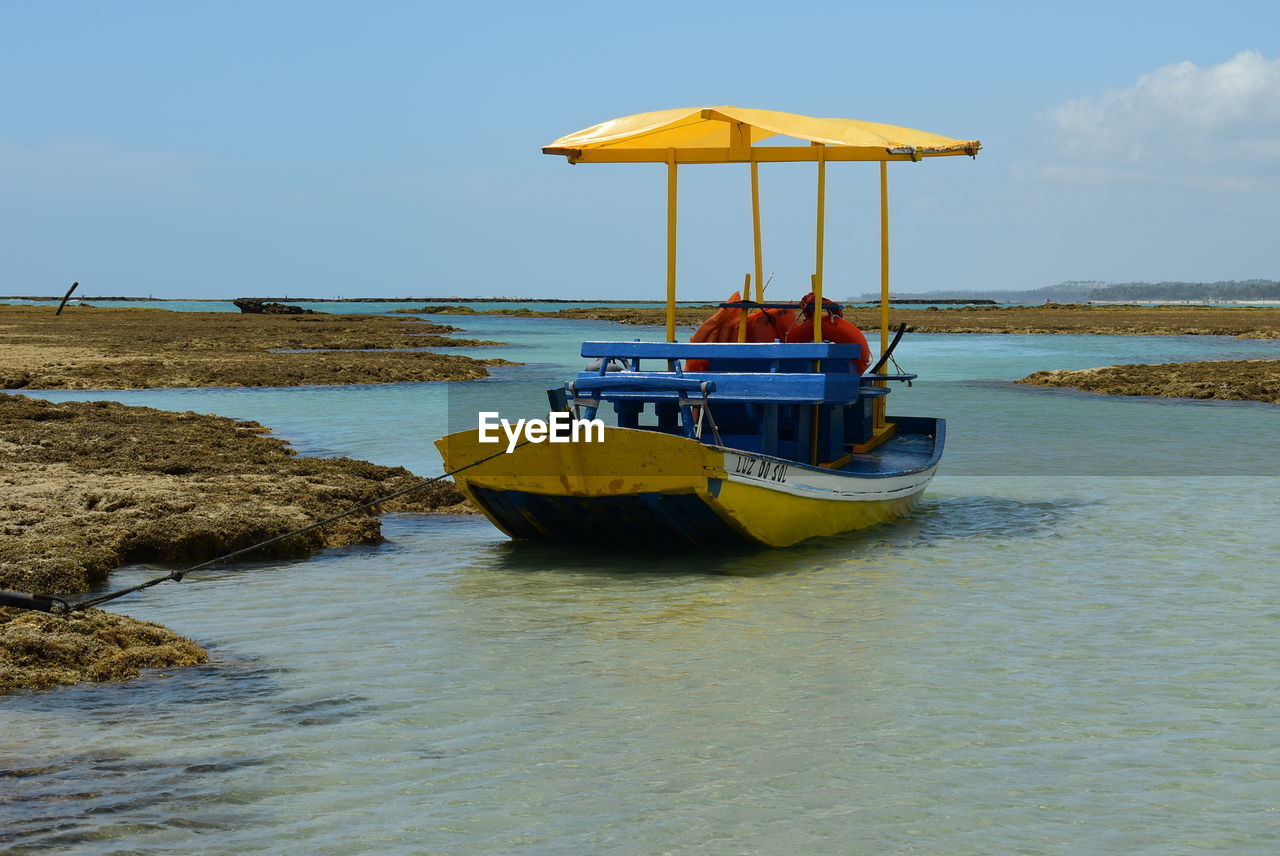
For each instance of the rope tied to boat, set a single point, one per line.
(58, 606)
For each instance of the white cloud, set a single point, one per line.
(1204, 126)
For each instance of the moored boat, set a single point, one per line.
(723, 439)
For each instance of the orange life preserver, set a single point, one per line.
(834, 329)
(763, 325)
(768, 325)
(722, 326)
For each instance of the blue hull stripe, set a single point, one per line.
(660, 518)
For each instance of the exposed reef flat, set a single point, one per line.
(1242, 321)
(686, 315)
(287, 299)
(127, 348)
(40, 650)
(1230, 380)
(86, 487)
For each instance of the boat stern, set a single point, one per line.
(634, 486)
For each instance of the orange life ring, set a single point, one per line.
(834, 329)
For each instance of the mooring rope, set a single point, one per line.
(58, 606)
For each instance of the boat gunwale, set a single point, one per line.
(939, 440)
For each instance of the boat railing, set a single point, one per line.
(796, 358)
(745, 387)
(733, 350)
(765, 396)
(740, 358)
(827, 305)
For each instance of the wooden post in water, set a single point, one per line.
(66, 297)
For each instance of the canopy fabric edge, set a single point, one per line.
(762, 154)
(731, 134)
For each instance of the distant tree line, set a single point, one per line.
(1076, 291)
(1253, 289)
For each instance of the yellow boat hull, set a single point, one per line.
(654, 488)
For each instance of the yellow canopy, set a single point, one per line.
(728, 135)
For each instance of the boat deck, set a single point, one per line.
(900, 453)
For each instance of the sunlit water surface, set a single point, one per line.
(1070, 648)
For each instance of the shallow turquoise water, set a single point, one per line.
(1070, 648)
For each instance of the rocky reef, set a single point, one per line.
(86, 487)
(1228, 380)
(1051, 318)
(254, 306)
(127, 348)
(39, 650)
(1248, 322)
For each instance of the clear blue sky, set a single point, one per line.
(189, 150)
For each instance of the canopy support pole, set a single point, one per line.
(755, 228)
(880, 430)
(816, 412)
(884, 257)
(817, 278)
(671, 245)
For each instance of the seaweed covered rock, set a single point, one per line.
(1228, 380)
(89, 486)
(442, 309)
(86, 487)
(130, 348)
(253, 306)
(41, 650)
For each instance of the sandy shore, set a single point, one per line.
(125, 348)
(1230, 380)
(86, 487)
(1243, 321)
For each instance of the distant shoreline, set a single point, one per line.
(904, 301)
(84, 297)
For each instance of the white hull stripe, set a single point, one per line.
(772, 474)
